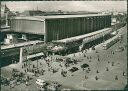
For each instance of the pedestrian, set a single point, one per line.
(124, 74)
(83, 69)
(38, 71)
(66, 65)
(26, 83)
(96, 78)
(27, 78)
(48, 69)
(48, 64)
(96, 51)
(32, 70)
(74, 54)
(12, 85)
(60, 65)
(98, 59)
(86, 77)
(113, 52)
(79, 54)
(22, 66)
(25, 70)
(33, 66)
(107, 69)
(98, 56)
(40, 63)
(85, 50)
(90, 57)
(87, 71)
(97, 71)
(15, 62)
(75, 61)
(116, 77)
(43, 71)
(112, 63)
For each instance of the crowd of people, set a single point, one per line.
(67, 62)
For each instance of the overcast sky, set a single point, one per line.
(67, 5)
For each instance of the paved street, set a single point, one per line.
(106, 72)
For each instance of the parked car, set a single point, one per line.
(65, 89)
(84, 65)
(4, 81)
(56, 84)
(42, 88)
(73, 69)
(120, 49)
(40, 82)
(53, 86)
(13, 83)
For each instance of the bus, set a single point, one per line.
(36, 56)
(107, 44)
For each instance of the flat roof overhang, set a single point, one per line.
(43, 18)
(76, 38)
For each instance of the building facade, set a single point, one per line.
(60, 26)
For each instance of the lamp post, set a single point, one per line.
(37, 62)
(103, 37)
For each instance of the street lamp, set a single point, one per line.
(37, 62)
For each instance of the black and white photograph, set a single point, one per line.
(63, 45)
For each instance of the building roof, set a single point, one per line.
(32, 13)
(42, 18)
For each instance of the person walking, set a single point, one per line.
(90, 57)
(60, 65)
(97, 71)
(22, 66)
(113, 52)
(89, 69)
(116, 77)
(74, 55)
(86, 77)
(107, 69)
(26, 83)
(112, 63)
(98, 59)
(96, 78)
(124, 74)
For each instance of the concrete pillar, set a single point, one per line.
(21, 55)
